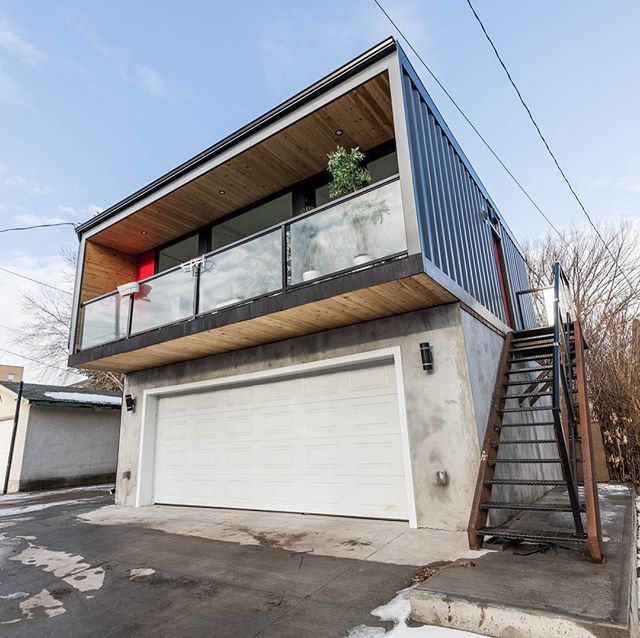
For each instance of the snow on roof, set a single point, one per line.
(83, 397)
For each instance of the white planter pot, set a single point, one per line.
(363, 258)
(308, 275)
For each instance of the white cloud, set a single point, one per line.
(18, 47)
(149, 80)
(10, 92)
(33, 220)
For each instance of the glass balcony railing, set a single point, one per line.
(350, 233)
(104, 319)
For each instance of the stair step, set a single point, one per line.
(533, 358)
(523, 442)
(523, 370)
(525, 425)
(519, 481)
(526, 461)
(543, 381)
(546, 349)
(533, 332)
(532, 535)
(533, 507)
(530, 395)
(534, 408)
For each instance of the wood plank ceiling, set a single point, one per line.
(382, 300)
(293, 154)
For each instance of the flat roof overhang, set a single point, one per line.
(268, 155)
(391, 288)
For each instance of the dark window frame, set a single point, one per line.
(303, 196)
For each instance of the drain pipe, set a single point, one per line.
(13, 438)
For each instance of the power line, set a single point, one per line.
(542, 137)
(472, 125)
(35, 281)
(9, 230)
(42, 363)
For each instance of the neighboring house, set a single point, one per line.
(64, 436)
(11, 373)
(286, 351)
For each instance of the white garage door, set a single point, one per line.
(327, 443)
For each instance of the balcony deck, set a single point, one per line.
(382, 290)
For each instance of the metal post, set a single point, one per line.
(16, 416)
(285, 256)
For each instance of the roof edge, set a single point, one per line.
(360, 62)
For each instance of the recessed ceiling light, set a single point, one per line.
(339, 132)
(144, 233)
(222, 191)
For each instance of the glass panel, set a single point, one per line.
(360, 230)
(383, 167)
(178, 253)
(163, 300)
(252, 221)
(104, 320)
(242, 272)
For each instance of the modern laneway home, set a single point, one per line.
(311, 316)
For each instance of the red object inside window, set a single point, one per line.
(146, 266)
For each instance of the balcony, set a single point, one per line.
(353, 233)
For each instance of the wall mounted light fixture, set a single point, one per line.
(427, 356)
(130, 403)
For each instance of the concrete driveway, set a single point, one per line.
(73, 564)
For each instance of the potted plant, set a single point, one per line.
(307, 232)
(348, 176)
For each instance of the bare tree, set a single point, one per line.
(605, 282)
(45, 332)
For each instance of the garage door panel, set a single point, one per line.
(328, 443)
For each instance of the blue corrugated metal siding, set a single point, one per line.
(455, 236)
(518, 280)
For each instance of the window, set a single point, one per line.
(11, 376)
(383, 167)
(179, 252)
(252, 221)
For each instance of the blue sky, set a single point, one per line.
(99, 98)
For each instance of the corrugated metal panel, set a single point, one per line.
(518, 280)
(450, 204)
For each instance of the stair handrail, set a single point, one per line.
(562, 389)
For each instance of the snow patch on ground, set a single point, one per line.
(15, 595)
(25, 496)
(398, 611)
(140, 572)
(36, 507)
(44, 600)
(68, 567)
(81, 397)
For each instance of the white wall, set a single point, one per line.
(68, 444)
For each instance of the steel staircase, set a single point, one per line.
(539, 437)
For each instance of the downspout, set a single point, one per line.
(13, 438)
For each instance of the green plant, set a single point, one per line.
(363, 213)
(348, 174)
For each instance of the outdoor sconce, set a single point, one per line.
(427, 356)
(442, 478)
(130, 403)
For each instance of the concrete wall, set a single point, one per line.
(65, 446)
(444, 413)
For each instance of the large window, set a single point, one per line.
(252, 221)
(177, 253)
(382, 162)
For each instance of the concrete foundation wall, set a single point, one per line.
(69, 446)
(444, 412)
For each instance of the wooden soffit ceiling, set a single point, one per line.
(295, 153)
